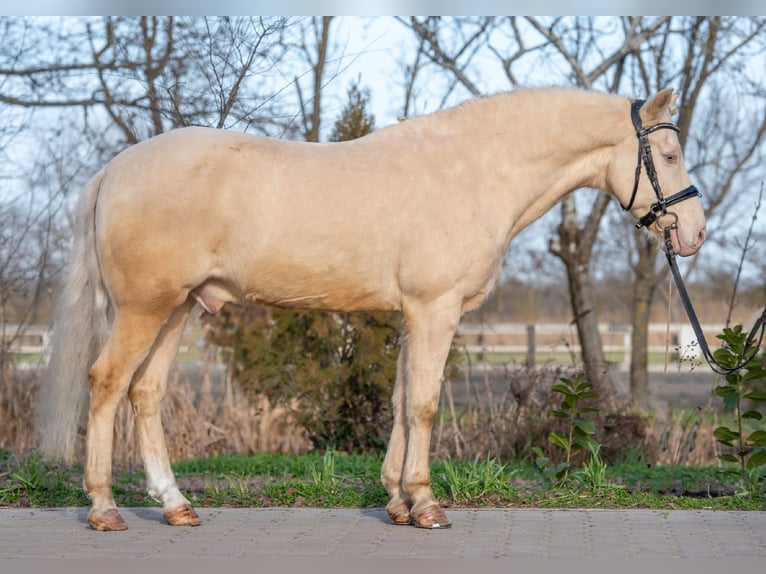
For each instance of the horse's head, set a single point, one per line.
(648, 176)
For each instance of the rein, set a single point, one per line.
(660, 209)
(760, 323)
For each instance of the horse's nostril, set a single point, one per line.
(701, 237)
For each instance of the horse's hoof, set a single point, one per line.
(399, 513)
(109, 521)
(432, 517)
(182, 516)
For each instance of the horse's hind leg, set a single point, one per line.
(146, 393)
(131, 338)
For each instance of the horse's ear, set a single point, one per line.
(660, 103)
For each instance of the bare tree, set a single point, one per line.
(143, 76)
(30, 239)
(26, 226)
(115, 81)
(638, 55)
(721, 134)
(315, 46)
(574, 244)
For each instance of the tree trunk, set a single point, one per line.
(323, 37)
(643, 292)
(574, 248)
(583, 308)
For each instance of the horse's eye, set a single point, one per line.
(671, 158)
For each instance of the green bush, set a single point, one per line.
(334, 370)
(746, 440)
(580, 431)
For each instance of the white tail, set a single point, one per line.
(80, 327)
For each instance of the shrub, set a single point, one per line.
(746, 441)
(334, 370)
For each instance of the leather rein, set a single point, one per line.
(660, 209)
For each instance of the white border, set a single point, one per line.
(380, 7)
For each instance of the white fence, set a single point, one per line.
(550, 339)
(542, 339)
(29, 339)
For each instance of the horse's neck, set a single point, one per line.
(528, 149)
(561, 143)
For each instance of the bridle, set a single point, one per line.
(660, 209)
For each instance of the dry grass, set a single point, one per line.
(207, 423)
(684, 438)
(197, 424)
(506, 425)
(17, 397)
(218, 418)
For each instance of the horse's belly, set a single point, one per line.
(289, 282)
(212, 294)
(338, 298)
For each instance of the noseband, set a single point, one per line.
(660, 207)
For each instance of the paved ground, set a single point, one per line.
(703, 537)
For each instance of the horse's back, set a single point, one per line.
(263, 219)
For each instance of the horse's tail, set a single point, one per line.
(80, 327)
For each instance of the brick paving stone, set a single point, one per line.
(507, 534)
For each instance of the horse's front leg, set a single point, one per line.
(398, 507)
(429, 331)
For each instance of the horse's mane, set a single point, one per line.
(518, 101)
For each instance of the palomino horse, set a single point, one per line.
(415, 217)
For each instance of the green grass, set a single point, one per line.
(335, 480)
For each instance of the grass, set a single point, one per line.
(333, 480)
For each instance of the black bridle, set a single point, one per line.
(659, 209)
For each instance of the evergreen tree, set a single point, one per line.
(354, 121)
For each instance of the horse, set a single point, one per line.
(415, 217)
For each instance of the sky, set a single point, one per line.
(370, 49)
